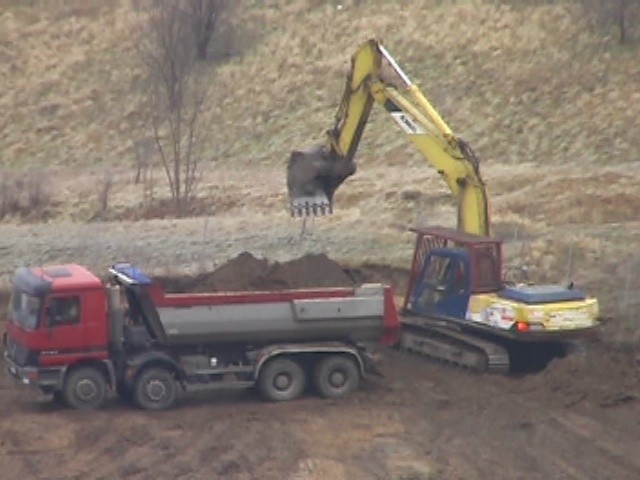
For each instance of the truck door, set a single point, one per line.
(442, 288)
(63, 329)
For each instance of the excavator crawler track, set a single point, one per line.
(440, 341)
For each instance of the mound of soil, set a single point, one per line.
(248, 273)
(238, 274)
(308, 271)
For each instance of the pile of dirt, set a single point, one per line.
(308, 271)
(238, 274)
(248, 273)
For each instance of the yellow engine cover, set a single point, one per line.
(495, 311)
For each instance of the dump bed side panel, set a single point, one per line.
(355, 319)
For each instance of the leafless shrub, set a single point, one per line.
(621, 15)
(24, 194)
(9, 203)
(178, 97)
(145, 151)
(37, 194)
(619, 18)
(174, 40)
(204, 16)
(202, 20)
(104, 194)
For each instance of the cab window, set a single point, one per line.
(25, 309)
(438, 270)
(64, 311)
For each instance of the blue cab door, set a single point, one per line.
(442, 286)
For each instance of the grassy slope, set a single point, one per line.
(522, 85)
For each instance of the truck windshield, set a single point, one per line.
(25, 309)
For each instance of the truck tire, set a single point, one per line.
(336, 376)
(155, 389)
(281, 379)
(85, 388)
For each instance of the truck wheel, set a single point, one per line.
(336, 376)
(281, 379)
(85, 389)
(155, 389)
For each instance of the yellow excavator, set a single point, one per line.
(457, 306)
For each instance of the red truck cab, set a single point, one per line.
(56, 317)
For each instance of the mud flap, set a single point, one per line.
(371, 362)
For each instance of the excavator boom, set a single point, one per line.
(314, 175)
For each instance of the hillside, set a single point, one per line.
(549, 105)
(528, 84)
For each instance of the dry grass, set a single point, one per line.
(528, 84)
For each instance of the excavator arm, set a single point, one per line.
(314, 175)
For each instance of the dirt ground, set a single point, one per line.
(578, 419)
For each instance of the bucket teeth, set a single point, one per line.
(311, 206)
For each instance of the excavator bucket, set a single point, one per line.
(312, 178)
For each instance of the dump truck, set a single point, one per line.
(76, 337)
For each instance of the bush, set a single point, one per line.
(24, 195)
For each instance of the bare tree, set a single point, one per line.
(145, 151)
(204, 16)
(623, 15)
(176, 95)
(104, 193)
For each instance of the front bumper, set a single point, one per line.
(43, 378)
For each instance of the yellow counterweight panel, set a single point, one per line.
(492, 310)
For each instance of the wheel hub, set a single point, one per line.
(156, 390)
(86, 390)
(282, 381)
(337, 378)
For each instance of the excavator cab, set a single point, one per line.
(448, 267)
(442, 286)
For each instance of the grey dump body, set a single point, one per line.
(358, 318)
